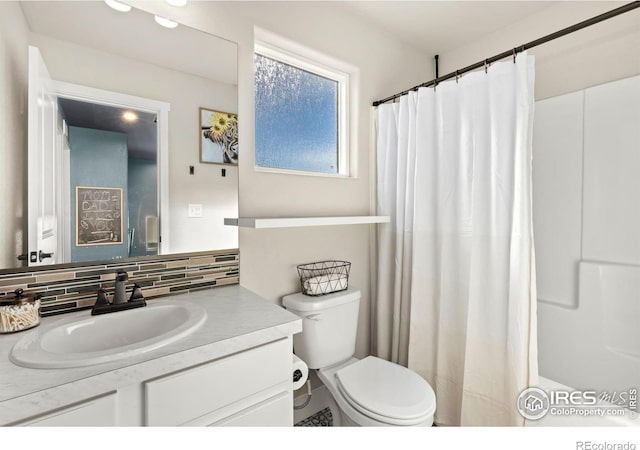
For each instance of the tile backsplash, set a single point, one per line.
(72, 289)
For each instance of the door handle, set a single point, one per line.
(42, 255)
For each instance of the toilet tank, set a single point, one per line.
(329, 325)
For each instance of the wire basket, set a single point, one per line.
(324, 277)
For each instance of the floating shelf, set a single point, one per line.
(288, 222)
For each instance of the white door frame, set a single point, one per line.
(161, 109)
(42, 229)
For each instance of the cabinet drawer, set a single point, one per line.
(276, 411)
(97, 412)
(184, 396)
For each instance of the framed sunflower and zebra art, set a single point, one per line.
(218, 137)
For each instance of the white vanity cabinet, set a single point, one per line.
(94, 412)
(249, 388)
(234, 370)
(240, 387)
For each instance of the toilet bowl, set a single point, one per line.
(365, 392)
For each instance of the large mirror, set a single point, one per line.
(104, 117)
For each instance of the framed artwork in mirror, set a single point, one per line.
(99, 219)
(218, 137)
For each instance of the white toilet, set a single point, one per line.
(366, 392)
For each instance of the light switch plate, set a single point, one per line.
(194, 210)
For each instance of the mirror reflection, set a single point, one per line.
(115, 148)
(104, 131)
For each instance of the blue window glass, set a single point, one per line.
(296, 114)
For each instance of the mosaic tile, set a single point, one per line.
(173, 277)
(109, 271)
(224, 258)
(18, 280)
(320, 419)
(69, 289)
(152, 266)
(63, 282)
(192, 286)
(176, 264)
(83, 288)
(52, 295)
(42, 277)
(48, 308)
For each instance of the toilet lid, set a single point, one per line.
(386, 390)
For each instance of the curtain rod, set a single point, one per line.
(550, 37)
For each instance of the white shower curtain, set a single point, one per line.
(456, 298)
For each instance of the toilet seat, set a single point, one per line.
(386, 392)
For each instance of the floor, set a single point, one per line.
(320, 419)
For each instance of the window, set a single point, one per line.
(300, 115)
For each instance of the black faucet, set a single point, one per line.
(120, 303)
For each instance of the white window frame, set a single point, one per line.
(321, 66)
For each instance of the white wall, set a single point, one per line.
(557, 196)
(268, 258)
(13, 138)
(587, 226)
(604, 52)
(611, 216)
(185, 93)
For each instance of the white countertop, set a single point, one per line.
(237, 319)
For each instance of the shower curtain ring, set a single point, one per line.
(514, 55)
(456, 76)
(486, 66)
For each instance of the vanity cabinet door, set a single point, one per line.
(212, 391)
(96, 412)
(276, 411)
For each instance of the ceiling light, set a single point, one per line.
(130, 116)
(118, 6)
(165, 22)
(177, 2)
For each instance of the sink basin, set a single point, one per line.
(77, 342)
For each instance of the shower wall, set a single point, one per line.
(586, 211)
(97, 158)
(143, 202)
